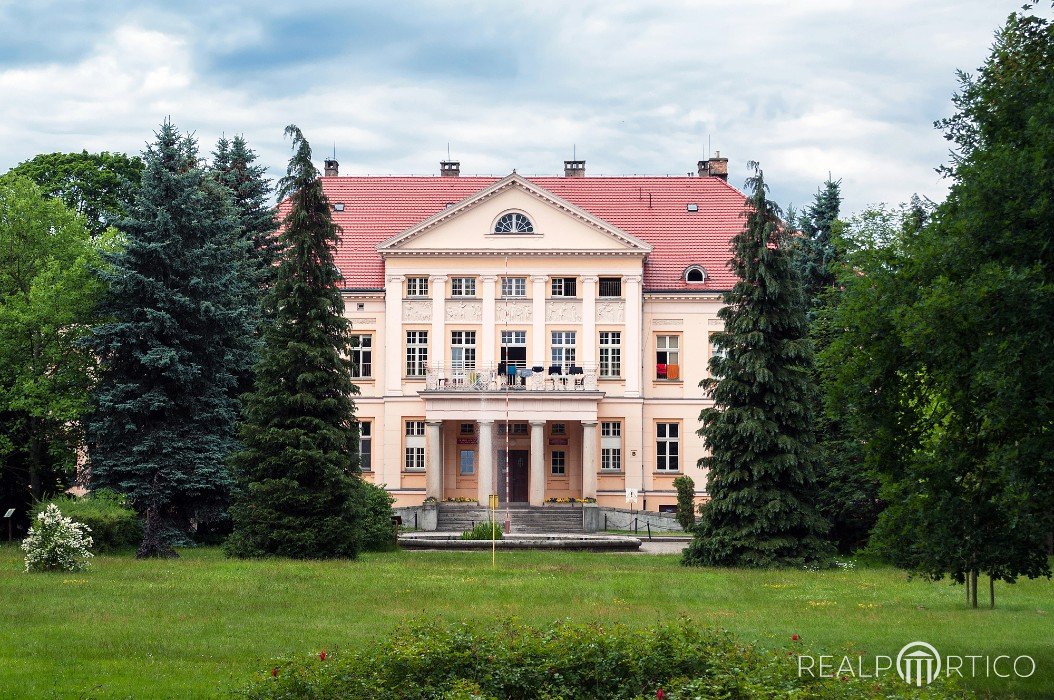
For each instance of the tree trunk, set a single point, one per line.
(991, 592)
(966, 586)
(973, 588)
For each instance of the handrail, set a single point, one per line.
(481, 377)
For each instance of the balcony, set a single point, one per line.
(511, 378)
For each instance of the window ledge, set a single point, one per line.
(611, 472)
(668, 381)
(359, 380)
(676, 472)
(611, 379)
(413, 471)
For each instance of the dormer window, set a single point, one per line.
(695, 275)
(513, 222)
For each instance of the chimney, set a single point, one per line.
(574, 168)
(715, 167)
(331, 167)
(450, 168)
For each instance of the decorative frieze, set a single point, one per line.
(513, 311)
(611, 312)
(417, 311)
(464, 311)
(715, 322)
(667, 322)
(563, 311)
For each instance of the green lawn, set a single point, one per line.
(202, 625)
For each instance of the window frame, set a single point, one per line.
(366, 440)
(567, 349)
(515, 283)
(416, 287)
(466, 342)
(561, 456)
(610, 355)
(357, 351)
(662, 462)
(461, 463)
(611, 446)
(418, 358)
(520, 224)
(668, 351)
(464, 283)
(559, 287)
(415, 444)
(605, 284)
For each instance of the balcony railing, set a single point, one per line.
(511, 378)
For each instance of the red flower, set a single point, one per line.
(274, 672)
(322, 655)
(660, 694)
(794, 637)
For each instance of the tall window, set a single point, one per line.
(362, 355)
(610, 354)
(366, 446)
(463, 349)
(610, 446)
(558, 463)
(416, 353)
(564, 287)
(467, 462)
(415, 446)
(667, 447)
(667, 357)
(463, 287)
(563, 349)
(610, 287)
(514, 286)
(514, 348)
(416, 286)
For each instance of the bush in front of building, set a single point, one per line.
(378, 532)
(483, 531)
(113, 522)
(675, 661)
(685, 501)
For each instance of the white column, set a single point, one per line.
(587, 346)
(437, 287)
(485, 475)
(434, 469)
(538, 321)
(487, 346)
(393, 335)
(631, 290)
(589, 459)
(537, 480)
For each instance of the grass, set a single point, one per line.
(202, 625)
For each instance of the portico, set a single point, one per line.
(526, 448)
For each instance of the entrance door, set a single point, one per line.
(518, 469)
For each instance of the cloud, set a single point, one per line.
(850, 88)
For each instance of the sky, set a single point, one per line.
(807, 88)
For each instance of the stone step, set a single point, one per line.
(524, 519)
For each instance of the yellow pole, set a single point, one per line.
(493, 503)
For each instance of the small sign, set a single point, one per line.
(493, 501)
(467, 440)
(9, 513)
(631, 495)
(557, 441)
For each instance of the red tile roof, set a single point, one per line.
(653, 209)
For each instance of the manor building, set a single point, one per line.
(538, 338)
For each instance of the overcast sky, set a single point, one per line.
(806, 87)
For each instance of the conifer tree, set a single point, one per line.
(298, 474)
(814, 250)
(234, 167)
(163, 422)
(760, 431)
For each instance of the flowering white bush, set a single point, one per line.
(57, 543)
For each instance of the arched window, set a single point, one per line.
(513, 222)
(695, 274)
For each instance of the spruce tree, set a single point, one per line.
(298, 473)
(163, 422)
(814, 250)
(234, 167)
(760, 431)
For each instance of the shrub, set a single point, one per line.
(113, 523)
(483, 531)
(685, 501)
(515, 662)
(56, 543)
(378, 534)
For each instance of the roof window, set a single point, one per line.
(695, 275)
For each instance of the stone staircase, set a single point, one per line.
(457, 517)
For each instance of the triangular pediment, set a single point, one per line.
(467, 227)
